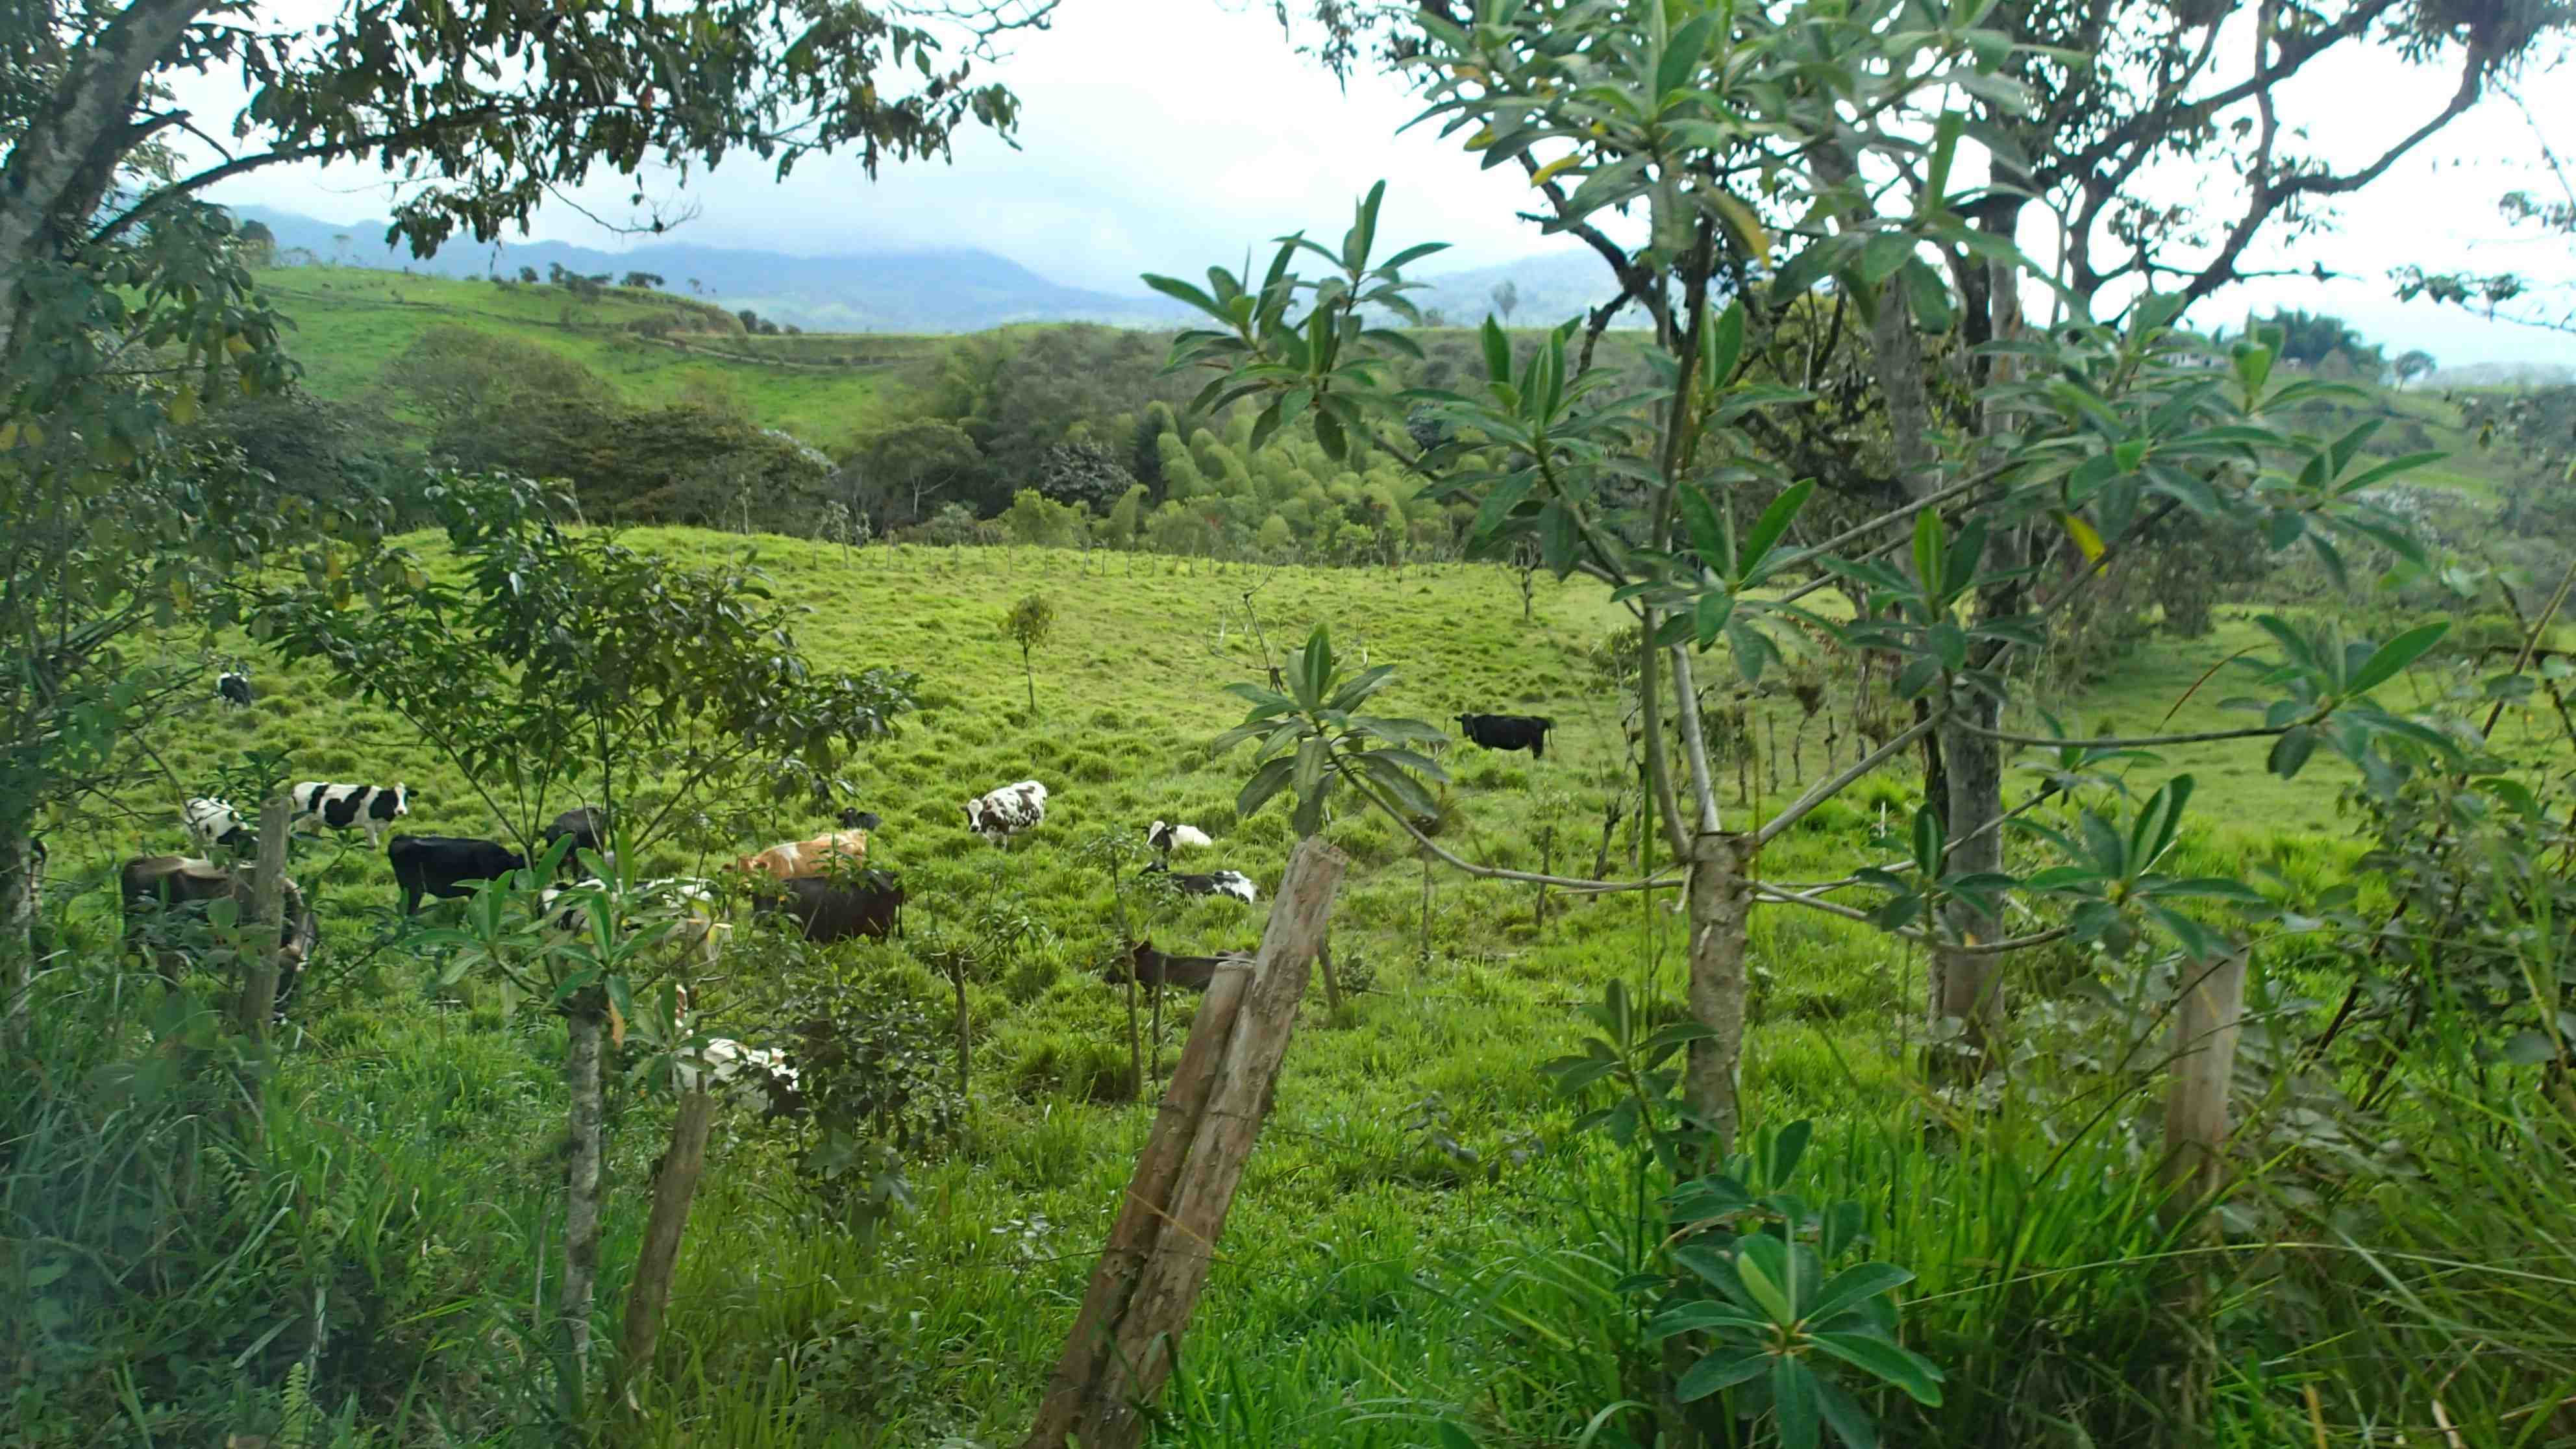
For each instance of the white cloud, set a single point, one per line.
(1165, 135)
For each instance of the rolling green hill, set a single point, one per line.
(349, 322)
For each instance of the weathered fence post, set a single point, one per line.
(673, 1188)
(2207, 1021)
(265, 930)
(1157, 1256)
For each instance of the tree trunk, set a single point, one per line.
(264, 933)
(1332, 983)
(673, 1189)
(1109, 1407)
(1967, 987)
(71, 145)
(1721, 901)
(586, 1021)
(21, 877)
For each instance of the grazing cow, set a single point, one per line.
(370, 808)
(1154, 968)
(1216, 883)
(827, 911)
(156, 886)
(1003, 813)
(792, 859)
(587, 825)
(233, 688)
(1508, 732)
(726, 1065)
(1164, 838)
(447, 866)
(211, 823)
(855, 818)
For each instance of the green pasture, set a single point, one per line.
(1370, 1284)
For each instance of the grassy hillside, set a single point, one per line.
(349, 322)
(1368, 1277)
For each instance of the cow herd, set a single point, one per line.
(821, 886)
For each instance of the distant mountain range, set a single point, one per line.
(959, 289)
(954, 289)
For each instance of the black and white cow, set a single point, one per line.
(233, 688)
(370, 808)
(1003, 813)
(1163, 837)
(214, 824)
(1232, 883)
(1508, 732)
(447, 866)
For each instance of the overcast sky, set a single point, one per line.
(1164, 135)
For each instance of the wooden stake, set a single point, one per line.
(266, 928)
(1157, 1258)
(2207, 1022)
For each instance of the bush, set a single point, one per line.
(953, 526)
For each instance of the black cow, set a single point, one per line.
(826, 912)
(855, 818)
(588, 827)
(447, 866)
(155, 887)
(1155, 968)
(1508, 732)
(233, 687)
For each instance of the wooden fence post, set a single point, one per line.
(265, 928)
(2207, 1022)
(1157, 1257)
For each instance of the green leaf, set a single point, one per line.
(1695, 1316)
(2291, 751)
(1928, 544)
(1723, 345)
(1888, 1361)
(1708, 529)
(1179, 290)
(1314, 668)
(1498, 352)
(1793, 1402)
(1774, 522)
(1723, 1369)
(1682, 55)
(1265, 782)
(2253, 364)
(1852, 1285)
(2394, 656)
(1945, 150)
(1927, 842)
(1765, 1282)
(1844, 1415)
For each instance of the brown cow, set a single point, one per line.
(153, 885)
(793, 859)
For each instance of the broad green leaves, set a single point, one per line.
(1313, 739)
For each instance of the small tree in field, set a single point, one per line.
(2413, 365)
(1028, 624)
(601, 701)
